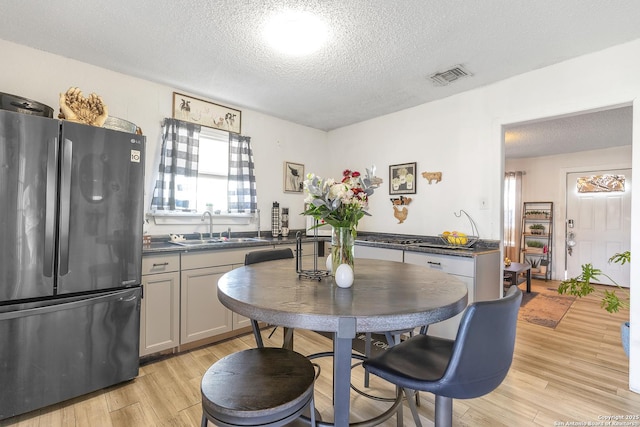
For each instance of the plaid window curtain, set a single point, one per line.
(178, 172)
(242, 179)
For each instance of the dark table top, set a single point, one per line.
(517, 267)
(385, 296)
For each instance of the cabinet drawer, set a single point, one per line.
(460, 266)
(213, 258)
(379, 253)
(160, 264)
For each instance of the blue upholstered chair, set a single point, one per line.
(267, 255)
(262, 256)
(472, 365)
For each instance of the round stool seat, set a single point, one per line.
(259, 386)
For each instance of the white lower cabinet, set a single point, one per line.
(379, 253)
(238, 321)
(180, 298)
(202, 315)
(481, 274)
(160, 304)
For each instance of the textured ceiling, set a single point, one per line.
(377, 61)
(569, 134)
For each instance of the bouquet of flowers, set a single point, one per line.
(339, 203)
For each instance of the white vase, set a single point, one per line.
(344, 276)
(342, 247)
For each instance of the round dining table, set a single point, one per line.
(385, 296)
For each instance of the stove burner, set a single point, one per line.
(391, 240)
(405, 241)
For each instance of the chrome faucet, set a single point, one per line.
(204, 215)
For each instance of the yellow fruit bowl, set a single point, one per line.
(458, 239)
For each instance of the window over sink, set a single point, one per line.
(213, 167)
(210, 192)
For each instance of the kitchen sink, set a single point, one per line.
(216, 241)
(243, 239)
(196, 242)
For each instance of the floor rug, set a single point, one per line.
(544, 306)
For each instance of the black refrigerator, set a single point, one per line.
(71, 214)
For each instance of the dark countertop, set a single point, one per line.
(425, 244)
(161, 244)
(413, 243)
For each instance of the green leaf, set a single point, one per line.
(576, 287)
(611, 302)
(621, 258)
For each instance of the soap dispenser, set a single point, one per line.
(285, 222)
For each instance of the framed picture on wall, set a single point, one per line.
(293, 177)
(205, 113)
(402, 178)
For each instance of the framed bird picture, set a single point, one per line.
(293, 177)
(205, 113)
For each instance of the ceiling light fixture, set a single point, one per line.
(296, 33)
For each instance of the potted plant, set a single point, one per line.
(610, 300)
(535, 246)
(534, 264)
(535, 214)
(536, 228)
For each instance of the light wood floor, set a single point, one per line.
(577, 372)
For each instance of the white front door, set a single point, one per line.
(601, 226)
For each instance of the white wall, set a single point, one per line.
(444, 136)
(41, 76)
(462, 136)
(545, 180)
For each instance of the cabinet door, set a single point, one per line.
(379, 253)
(159, 313)
(202, 315)
(449, 328)
(462, 268)
(240, 321)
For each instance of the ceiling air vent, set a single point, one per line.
(449, 76)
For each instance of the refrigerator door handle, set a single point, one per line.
(65, 205)
(50, 208)
(124, 295)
